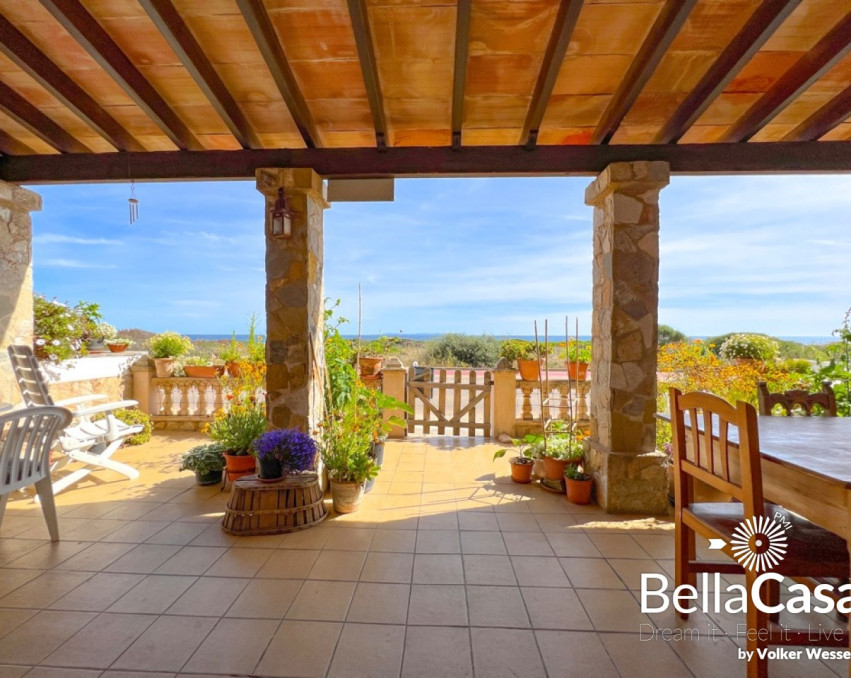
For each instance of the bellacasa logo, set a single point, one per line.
(758, 543)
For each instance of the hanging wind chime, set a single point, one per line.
(134, 203)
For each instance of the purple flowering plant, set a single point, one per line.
(294, 449)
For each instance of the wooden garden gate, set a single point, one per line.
(454, 401)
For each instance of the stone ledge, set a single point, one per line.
(629, 483)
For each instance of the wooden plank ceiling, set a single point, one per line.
(105, 89)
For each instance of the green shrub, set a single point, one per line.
(168, 345)
(668, 335)
(60, 331)
(796, 365)
(749, 346)
(462, 350)
(203, 459)
(133, 416)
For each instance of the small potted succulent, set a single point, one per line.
(165, 348)
(284, 451)
(578, 485)
(207, 461)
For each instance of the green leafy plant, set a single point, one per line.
(340, 373)
(231, 353)
(668, 335)
(120, 341)
(517, 349)
(203, 459)
(837, 370)
(461, 350)
(380, 347)
(133, 416)
(256, 344)
(529, 447)
(577, 351)
(238, 426)
(576, 472)
(345, 443)
(748, 346)
(169, 345)
(60, 331)
(197, 360)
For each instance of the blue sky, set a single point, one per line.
(748, 253)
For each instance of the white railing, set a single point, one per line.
(565, 398)
(187, 399)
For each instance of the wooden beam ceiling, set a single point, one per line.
(366, 53)
(824, 119)
(459, 78)
(254, 13)
(809, 68)
(568, 13)
(179, 37)
(12, 146)
(753, 35)
(24, 113)
(102, 48)
(669, 22)
(820, 156)
(28, 57)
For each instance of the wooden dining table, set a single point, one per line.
(806, 467)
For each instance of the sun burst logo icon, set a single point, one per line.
(759, 543)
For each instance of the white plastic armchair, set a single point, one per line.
(26, 438)
(91, 442)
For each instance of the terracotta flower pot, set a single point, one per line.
(347, 497)
(521, 472)
(577, 371)
(370, 367)
(164, 367)
(579, 491)
(554, 468)
(232, 367)
(203, 371)
(528, 369)
(117, 348)
(238, 465)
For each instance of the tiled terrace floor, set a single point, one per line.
(446, 571)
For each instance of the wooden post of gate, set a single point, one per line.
(504, 399)
(394, 383)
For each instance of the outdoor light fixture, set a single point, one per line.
(281, 219)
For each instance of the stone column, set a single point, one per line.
(295, 352)
(394, 382)
(16, 277)
(504, 400)
(628, 474)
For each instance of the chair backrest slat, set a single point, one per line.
(29, 376)
(712, 455)
(26, 437)
(797, 401)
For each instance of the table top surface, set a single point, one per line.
(820, 445)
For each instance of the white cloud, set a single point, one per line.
(44, 238)
(72, 263)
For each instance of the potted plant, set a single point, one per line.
(561, 449)
(578, 485)
(231, 356)
(372, 405)
(235, 429)
(99, 335)
(164, 348)
(522, 465)
(345, 444)
(523, 353)
(200, 367)
(284, 451)
(748, 347)
(207, 461)
(372, 354)
(578, 357)
(118, 344)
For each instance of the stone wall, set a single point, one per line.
(107, 374)
(16, 284)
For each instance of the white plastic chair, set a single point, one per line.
(26, 438)
(91, 442)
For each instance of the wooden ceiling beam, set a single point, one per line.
(824, 119)
(813, 156)
(661, 35)
(807, 70)
(179, 37)
(24, 113)
(753, 35)
(85, 29)
(35, 63)
(568, 13)
(366, 54)
(255, 15)
(11, 146)
(459, 78)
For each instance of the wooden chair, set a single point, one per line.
(26, 437)
(725, 455)
(89, 441)
(823, 402)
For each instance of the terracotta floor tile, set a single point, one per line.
(300, 648)
(393, 541)
(437, 651)
(209, 597)
(40, 635)
(191, 560)
(590, 573)
(101, 641)
(289, 564)
(633, 657)
(64, 672)
(95, 557)
(239, 562)
(482, 543)
(368, 651)
(478, 521)
(143, 559)
(49, 555)
(573, 545)
(233, 646)
(438, 569)
(527, 544)
(388, 568)
(612, 610)
(13, 579)
(98, 593)
(550, 608)
(497, 606)
(618, 546)
(539, 571)
(489, 569)
(506, 652)
(11, 619)
(577, 653)
(338, 565)
(435, 604)
(380, 603)
(517, 522)
(349, 539)
(154, 594)
(213, 536)
(322, 601)
(167, 644)
(42, 591)
(438, 541)
(439, 518)
(265, 599)
(179, 533)
(137, 531)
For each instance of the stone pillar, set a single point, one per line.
(16, 277)
(504, 399)
(295, 352)
(628, 474)
(394, 383)
(142, 370)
